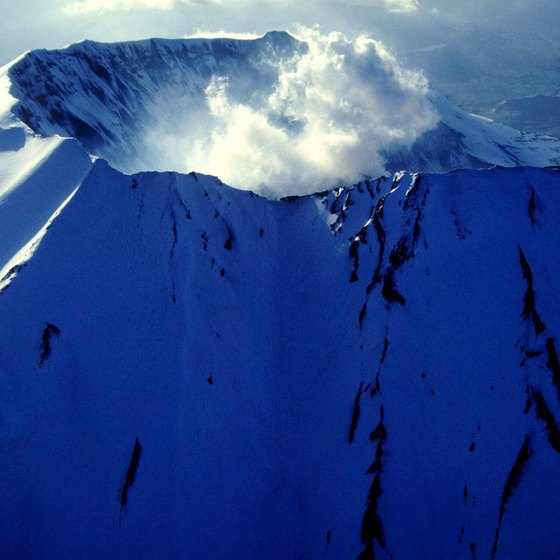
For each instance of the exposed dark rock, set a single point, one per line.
(385, 348)
(462, 534)
(380, 232)
(544, 413)
(355, 256)
(46, 348)
(229, 241)
(553, 363)
(389, 290)
(130, 474)
(372, 525)
(535, 207)
(174, 231)
(11, 274)
(529, 309)
(376, 389)
(512, 482)
(355, 414)
(378, 433)
(204, 238)
(362, 315)
(401, 253)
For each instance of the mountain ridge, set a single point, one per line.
(109, 95)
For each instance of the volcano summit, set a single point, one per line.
(352, 366)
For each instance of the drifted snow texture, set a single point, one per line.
(187, 370)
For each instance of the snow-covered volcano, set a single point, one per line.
(193, 371)
(185, 105)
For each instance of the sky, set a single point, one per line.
(403, 24)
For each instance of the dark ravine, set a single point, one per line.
(512, 482)
(130, 476)
(529, 307)
(380, 232)
(372, 524)
(355, 414)
(553, 363)
(543, 413)
(46, 347)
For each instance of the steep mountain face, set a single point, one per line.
(190, 370)
(108, 95)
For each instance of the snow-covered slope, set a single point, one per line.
(189, 370)
(461, 141)
(193, 371)
(37, 174)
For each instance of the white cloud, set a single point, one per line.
(395, 6)
(80, 6)
(401, 6)
(325, 121)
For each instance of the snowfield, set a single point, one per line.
(189, 370)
